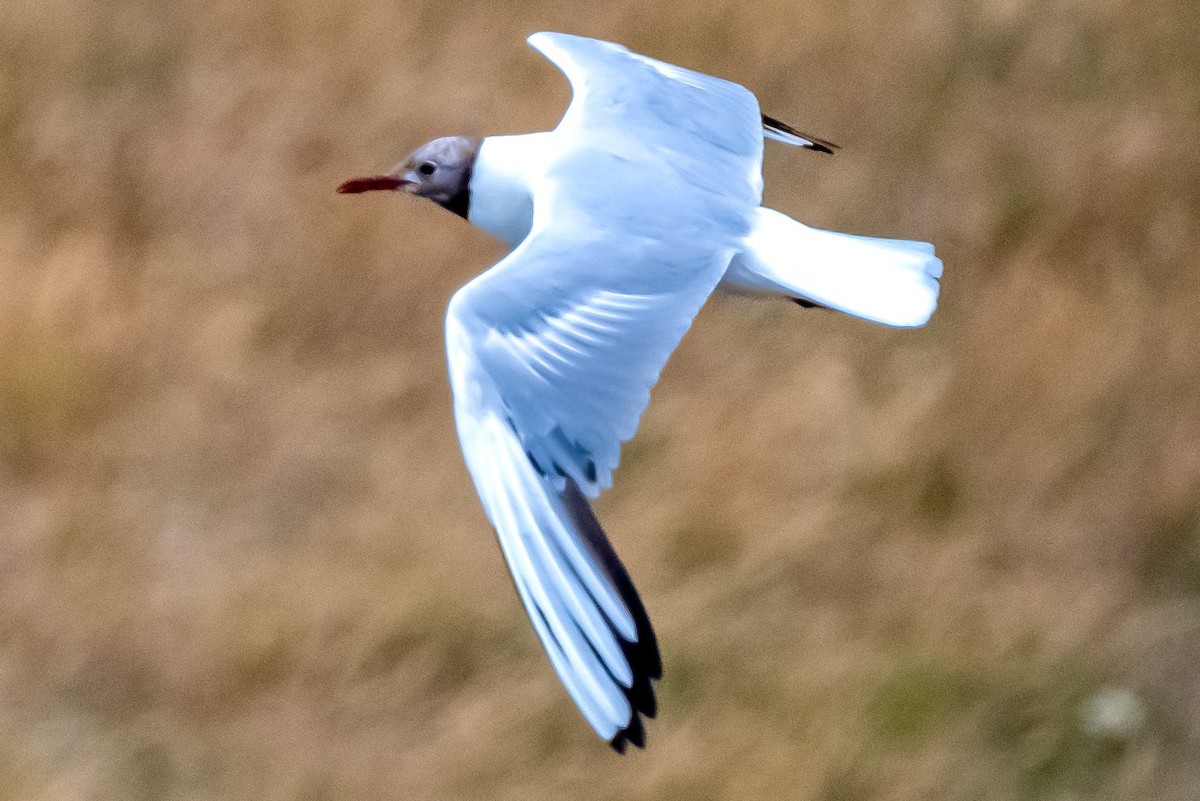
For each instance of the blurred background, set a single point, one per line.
(240, 556)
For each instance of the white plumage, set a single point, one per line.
(624, 219)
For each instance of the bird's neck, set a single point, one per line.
(501, 193)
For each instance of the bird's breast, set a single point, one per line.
(501, 195)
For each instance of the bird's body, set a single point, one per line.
(622, 220)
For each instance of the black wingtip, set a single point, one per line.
(642, 653)
(634, 733)
(815, 144)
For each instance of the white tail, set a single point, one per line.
(888, 281)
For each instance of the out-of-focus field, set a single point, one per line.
(240, 557)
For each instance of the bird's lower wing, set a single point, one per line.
(642, 196)
(552, 354)
(578, 596)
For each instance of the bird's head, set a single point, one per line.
(439, 170)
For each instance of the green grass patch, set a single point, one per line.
(917, 700)
(1169, 562)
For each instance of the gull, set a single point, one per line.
(621, 221)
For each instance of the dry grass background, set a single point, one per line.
(239, 554)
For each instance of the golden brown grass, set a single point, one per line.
(239, 555)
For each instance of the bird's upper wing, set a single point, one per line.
(703, 125)
(553, 351)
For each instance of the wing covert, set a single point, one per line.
(571, 362)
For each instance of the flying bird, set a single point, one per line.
(622, 221)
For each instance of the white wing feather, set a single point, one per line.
(647, 191)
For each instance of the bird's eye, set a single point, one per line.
(427, 168)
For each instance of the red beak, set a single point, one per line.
(356, 185)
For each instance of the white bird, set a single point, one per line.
(622, 221)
